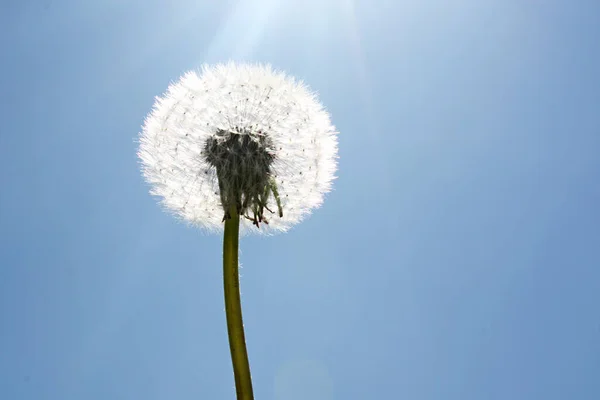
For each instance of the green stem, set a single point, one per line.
(233, 308)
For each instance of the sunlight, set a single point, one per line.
(241, 31)
(358, 57)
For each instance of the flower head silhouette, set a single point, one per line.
(243, 136)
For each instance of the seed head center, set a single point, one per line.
(243, 161)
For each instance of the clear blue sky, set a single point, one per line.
(457, 258)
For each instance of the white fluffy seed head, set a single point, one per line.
(240, 135)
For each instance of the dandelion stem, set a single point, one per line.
(233, 308)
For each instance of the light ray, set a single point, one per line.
(359, 63)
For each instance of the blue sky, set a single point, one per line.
(457, 258)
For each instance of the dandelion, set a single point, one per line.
(239, 147)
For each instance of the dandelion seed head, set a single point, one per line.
(240, 135)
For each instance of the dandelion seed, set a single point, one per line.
(232, 138)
